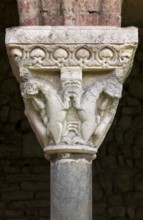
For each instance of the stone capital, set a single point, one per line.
(71, 81)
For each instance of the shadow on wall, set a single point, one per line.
(132, 13)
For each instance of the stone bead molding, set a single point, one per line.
(71, 81)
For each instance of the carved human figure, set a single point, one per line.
(48, 103)
(94, 107)
(107, 110)
(94, 112)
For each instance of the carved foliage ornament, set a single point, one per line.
(85, 56)
(71, 82)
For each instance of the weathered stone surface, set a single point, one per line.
(134, 199)
(139, 212)
(135, 88)
(9, 187)
(44, 213)
(17, 178)
(132, 111)
(106, 182)
(14, 213)
(17, 195)
(41, 169)
(123, 182)
(81, 12)
(139, 182)
(131, 212)
(3, 99)
(29, 12)
(12, 152)
(117, 211)
(8, 86)
(126, 151)
(25, 127)
(31, 147)
(33, 213)
(125, 122)
(3, 63)
(28, 204)
(110, 13)
(132, 101)
(116, 200)
(14, 116)
(119, 137)
(43, 195)
(98, 194)
(52, 12)
(129, 136)
(75, 34)
(36, 186)
(4, 113)
(139, 138)
(62, 12)
(71, 189)
(99, 209)
(73, 125)
(109, 162)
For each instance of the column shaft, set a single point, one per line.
(71, 188)
(29, 12)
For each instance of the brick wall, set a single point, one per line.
(117, 171)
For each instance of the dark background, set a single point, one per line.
(118, 169)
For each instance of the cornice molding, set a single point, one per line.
(71, 34)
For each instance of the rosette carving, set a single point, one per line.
(37, 55)
(106, 55)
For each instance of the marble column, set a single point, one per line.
(71, 187)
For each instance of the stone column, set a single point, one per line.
(51, 12)
(71, 187)
(110, 13)
(29, 12)
(71, 81)
(71, 12)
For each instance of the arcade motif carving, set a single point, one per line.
(85, 56)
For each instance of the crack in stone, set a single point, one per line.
(93, 12)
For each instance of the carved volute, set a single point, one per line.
(71, 81)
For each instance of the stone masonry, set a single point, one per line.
(70, 12)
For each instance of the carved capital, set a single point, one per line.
(71, 81)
